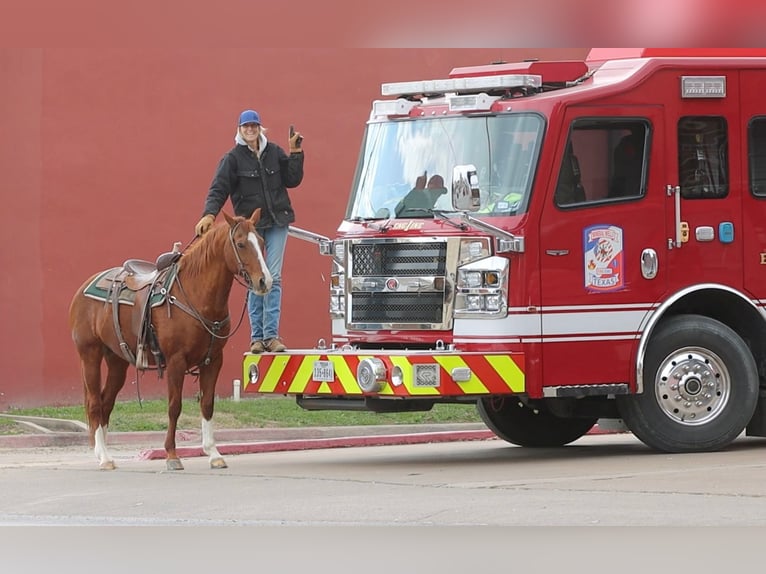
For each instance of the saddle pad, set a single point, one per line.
(101, 284)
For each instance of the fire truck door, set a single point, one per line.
(603, 244)
(704, 207)
(753, 139)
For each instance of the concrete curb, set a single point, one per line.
(259, 440)
(318, 443)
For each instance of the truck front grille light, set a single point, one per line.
(337, 296)
(482, 289)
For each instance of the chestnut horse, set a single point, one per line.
(187, 329)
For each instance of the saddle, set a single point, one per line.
(143, 285)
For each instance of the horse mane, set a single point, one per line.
(206, 249)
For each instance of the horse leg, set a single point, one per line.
(175, 395)
(207, 381)
(91, 357)
(117, 370)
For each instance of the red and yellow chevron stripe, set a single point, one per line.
(292, 373)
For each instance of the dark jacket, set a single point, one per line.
(252, 182)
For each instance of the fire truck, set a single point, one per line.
(560, 244)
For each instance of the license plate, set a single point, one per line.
(324, 371)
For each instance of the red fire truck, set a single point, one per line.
(558, 243)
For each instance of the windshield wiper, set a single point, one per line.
(442, 214)
(369, 222)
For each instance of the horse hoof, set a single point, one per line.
(174, 464)
(218, 463)
(107, 465)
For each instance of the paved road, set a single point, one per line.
(446, 507)
(610, 480)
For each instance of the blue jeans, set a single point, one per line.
(264, 310)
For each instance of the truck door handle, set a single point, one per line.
(649, 263)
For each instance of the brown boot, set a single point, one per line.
(274, 345)
(257, 347)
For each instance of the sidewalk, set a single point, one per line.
(255, 440)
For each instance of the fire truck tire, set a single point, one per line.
(700, 387)
(521, 425)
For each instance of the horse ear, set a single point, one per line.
(255, 216)
(229, 219)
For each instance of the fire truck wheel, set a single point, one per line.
(516, 423)
(700, 387)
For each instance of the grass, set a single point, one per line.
(251, 412)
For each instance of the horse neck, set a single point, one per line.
(203, 272)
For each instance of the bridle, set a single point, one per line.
(241, 271)
(213, 327)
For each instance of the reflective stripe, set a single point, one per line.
(292, 373)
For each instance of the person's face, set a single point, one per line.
(250, 132)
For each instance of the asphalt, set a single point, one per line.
(255, 440)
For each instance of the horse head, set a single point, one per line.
(247, 258)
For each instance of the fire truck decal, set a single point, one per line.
(293, 374)
(603, 261)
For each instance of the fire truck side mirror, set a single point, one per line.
(465, 188)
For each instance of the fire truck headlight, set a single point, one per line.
(492, 302)
(337, 296)
(482, 289)
(371, 375)
(473, 250)
(469, 279)
(336, 306)
(473, 302)
(253, 373)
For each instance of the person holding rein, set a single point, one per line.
(257, 173)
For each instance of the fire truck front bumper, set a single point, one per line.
(400, 374)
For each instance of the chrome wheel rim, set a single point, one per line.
(693, 386)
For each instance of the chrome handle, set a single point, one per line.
(649, 263)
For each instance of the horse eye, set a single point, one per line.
(240, 245)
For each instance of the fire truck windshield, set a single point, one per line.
(405, 167)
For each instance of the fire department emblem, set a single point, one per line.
(602, 246)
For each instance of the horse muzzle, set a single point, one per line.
(260, 287)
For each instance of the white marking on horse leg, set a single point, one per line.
(266, 273)
(105, 461)
(208, 445)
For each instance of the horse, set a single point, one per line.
(180, 312)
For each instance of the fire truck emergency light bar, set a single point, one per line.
(462, 103)
(462, 85)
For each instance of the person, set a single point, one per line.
(628, 163)
(423, 196)
(569, 188)
(257, 173)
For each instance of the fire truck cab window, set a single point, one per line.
(604, 159)
(703, 157)
(757, 156)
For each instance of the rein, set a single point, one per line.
(213, 327)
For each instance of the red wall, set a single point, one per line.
(107, 155)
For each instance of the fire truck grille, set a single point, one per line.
(397, 307)
(399, 259)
